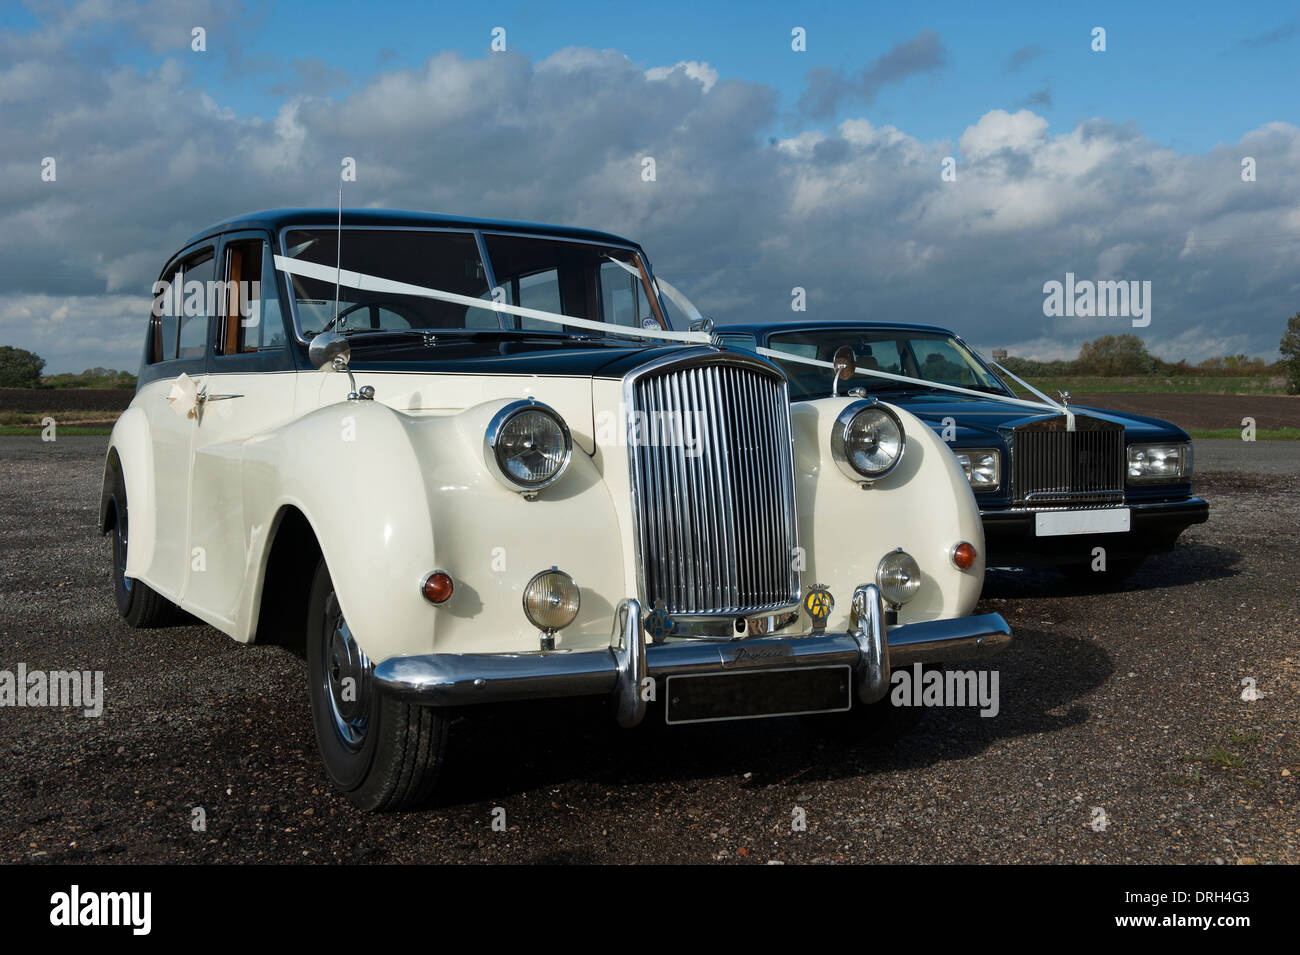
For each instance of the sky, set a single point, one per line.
(775, 168)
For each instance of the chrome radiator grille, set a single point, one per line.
(715, 511)
(1055, 466)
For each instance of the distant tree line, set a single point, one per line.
(1127, 355)
(1108, 356)
(20, 368)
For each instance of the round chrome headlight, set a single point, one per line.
(899, 577)
(527, 446)
(551, 600)
(867, 441)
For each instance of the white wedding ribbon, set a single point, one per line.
(373, 283)
(957, 389)
(1065, 409)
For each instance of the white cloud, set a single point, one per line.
(856, 213)
(702, 73)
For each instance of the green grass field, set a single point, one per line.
(1234, 434)
(23, 430)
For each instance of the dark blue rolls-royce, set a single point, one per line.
(1046, 493)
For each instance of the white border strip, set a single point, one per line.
(373, 283)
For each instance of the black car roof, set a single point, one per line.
(760, 328)
(275, 219)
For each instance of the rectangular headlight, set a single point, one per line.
(982, 467)
(1170, 461)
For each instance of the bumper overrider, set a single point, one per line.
(868, 647)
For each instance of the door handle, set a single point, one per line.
(203, 396)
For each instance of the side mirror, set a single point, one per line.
(330, 351)
(844, 361)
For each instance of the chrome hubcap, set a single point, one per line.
(348, 677)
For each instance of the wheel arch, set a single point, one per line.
(284, 581)
(130, 458)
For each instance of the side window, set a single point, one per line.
(743, 342)
(164, 322)
(939, 361)
(623, 298)
(541, 291)
(199, 274)
(250, 303)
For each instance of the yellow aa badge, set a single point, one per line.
(819, 603)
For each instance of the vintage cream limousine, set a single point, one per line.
(466, 461)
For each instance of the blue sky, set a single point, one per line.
(818, 169)
(1238, 62)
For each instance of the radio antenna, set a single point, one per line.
(338, 259)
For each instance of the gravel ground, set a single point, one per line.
(1128, 704)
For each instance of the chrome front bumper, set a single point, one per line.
(455, 679)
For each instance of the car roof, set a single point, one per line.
(273, 220)
(760, 328)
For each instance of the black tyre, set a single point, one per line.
(382, 753)
(138, 603)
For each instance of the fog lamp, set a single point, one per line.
(551, 600)
(899, 577)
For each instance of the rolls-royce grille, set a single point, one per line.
(713, 489)
(1055, 466)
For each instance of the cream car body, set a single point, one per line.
(256, 469)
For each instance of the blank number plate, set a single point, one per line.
(763, 691)
(1109, 520)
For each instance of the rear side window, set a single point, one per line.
(200, 303)
(184, 298)
(164, 322)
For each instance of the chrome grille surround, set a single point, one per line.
(716, 531)
(1051, 466)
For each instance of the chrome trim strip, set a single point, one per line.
(1131, 506)
(453, 679)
